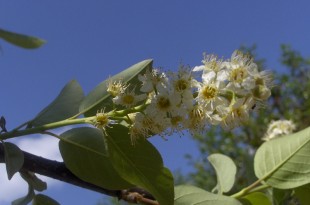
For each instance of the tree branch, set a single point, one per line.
(58, 170)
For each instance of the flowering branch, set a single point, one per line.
(139, 102)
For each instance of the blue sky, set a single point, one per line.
(90, 40)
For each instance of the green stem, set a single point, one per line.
(118, 115)
(260, 188)
(39, 129)
(125, 112)
(251, 188)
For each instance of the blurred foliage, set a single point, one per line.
(290, 100)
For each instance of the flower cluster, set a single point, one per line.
(228, 90)
(279, 128)
(231, 89)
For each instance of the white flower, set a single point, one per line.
(139, 128)
(242, 59)
(236, 113)
(263, 78)
(210, 63)
(196, 121)
(147, 125)
(152, 80)
(164, 102)
(182, 82)
(116, 87)
(128, 98)
(102, 120)
(187, 100)
(241, 70)
(209, 91)
(176, 121)
(261, 92)
(279, 128)
(263, 84)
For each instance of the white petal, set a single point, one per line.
(208, 77)
(199, 68)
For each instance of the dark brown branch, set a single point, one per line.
(58, 170)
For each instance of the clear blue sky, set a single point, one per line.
(90, 40)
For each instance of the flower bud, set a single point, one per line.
(261, 92)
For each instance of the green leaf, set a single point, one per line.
(26, 199)
(14, 158)
(303, 194)
(99, 98)
(225, 170)
(41, 199)
(36, 183)
(284, 162)
(257, 198)
(84, 152)
(64, 106)
(21, 40)
(141, 164)
(190, 195)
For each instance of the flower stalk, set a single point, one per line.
(39, 129)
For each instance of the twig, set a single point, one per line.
(135, 197)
